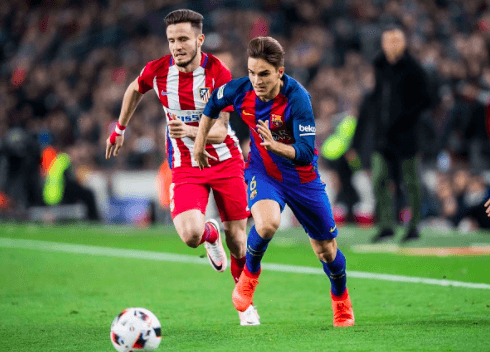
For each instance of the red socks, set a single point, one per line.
(237, 266)
(210, 234)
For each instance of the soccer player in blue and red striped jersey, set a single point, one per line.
(281, 168)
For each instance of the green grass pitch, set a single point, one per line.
(57, 301)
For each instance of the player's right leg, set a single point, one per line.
(194, 231)
(188, 203)
(267, 217)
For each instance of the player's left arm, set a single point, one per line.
(304, 130)
(217, 134)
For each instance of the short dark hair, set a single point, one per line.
(184, 16)
(268, 49)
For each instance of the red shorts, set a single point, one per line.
(190, 189)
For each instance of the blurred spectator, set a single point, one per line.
(64, 64)
(400, 95)
(20, 179)
(474, 216)
(63, 186)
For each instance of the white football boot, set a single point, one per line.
(216, 252)
(249, 317)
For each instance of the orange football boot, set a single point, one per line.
(343, 314)
(243, 293)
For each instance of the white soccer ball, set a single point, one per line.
(136, 329)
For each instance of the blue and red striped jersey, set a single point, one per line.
(291, 122)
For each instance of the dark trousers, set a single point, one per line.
(75, 192)
(384, 199)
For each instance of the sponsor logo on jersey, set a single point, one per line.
(221, 91)
(164, 93)
(191, 116)
(276, 120)
(204, 93)
(308, 128)
(247, 113)
(281, 136)
(332, 229)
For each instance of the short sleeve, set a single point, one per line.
(145, 79)
(222, 77)
(220, 99)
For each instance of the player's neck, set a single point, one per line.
(193, 65)
(274, 92)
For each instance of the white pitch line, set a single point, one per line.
(181, 258)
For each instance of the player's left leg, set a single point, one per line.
(333, 261)
(311, 206)
(230, 194)
(236, 241)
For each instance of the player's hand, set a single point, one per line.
(487, 205)
(202, 158)
(266, 134)
(177, 128)
(113, 148)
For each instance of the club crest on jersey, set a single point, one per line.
(276, 120)
(204, 93)
(221, 91)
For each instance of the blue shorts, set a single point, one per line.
(308, 201)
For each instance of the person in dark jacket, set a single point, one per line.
(20, 179)
(399, 97)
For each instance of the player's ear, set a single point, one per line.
(200, 39)
(281, 72)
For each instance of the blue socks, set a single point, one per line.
(256, 247)
(336, 273)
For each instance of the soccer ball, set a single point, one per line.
(136, 329)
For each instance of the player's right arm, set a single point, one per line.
(131, 99)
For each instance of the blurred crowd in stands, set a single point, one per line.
(65, 64)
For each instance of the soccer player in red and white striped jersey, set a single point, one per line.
(183, 82)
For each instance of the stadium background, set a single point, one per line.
(64, 66)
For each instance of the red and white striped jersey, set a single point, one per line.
(184, 95)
